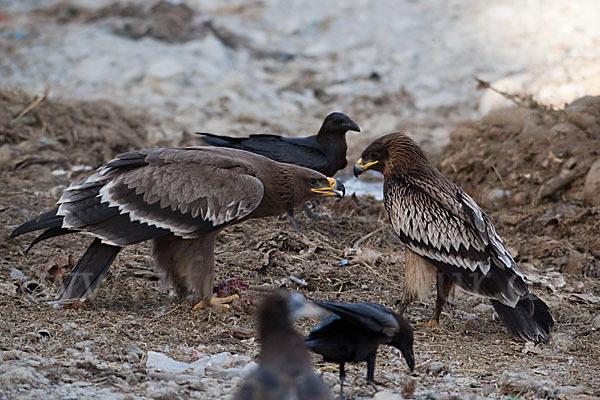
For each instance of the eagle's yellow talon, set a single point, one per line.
(329, 368)
(430, 324)
(217, 301)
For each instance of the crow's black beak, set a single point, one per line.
(352, 126)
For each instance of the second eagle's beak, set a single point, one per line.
(359, 167)
(335, 188)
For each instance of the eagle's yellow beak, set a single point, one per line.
(335, 188)
(359, 167)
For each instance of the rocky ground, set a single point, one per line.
(139, 74)
(115, 345)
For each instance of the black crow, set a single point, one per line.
(354, 331)
(324, 152)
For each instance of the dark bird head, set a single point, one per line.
(274, 314)
(390, 154)
(288, 186)
(338, 123)
(403, 341)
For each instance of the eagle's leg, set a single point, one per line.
(418, 277)
(444, 286)
(310, 212)
(189, 264)
(290, 215)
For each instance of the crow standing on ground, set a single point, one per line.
(354, 332)
(448, 236)
(324, 152)
(181, 198)
(285, 370)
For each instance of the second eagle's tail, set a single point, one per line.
(530, 319)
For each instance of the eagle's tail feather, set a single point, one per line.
(530, 319)
(47, 234)
(44, 221)
(89, 271)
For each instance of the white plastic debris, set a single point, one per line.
(222, 365)
(18, 275)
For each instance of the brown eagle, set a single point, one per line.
(447, 235)
(180, 198)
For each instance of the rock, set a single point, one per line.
(591, 188)
(408, 387)
(496, 198)
(435, 368)
(161, 390)
(8, 289)
(133, 353)
(8, 154)
(533, 134)
(561, 342)
(165, 68)
(387, 395)
(575, 263)
(11, 376)
(596, 322)
(558, 182)
(512, 119)
(44, 333)
(483, 308)
(523, 383)
(584, 112)
(84, 345)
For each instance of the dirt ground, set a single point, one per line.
(99, 349)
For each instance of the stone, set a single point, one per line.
(483, 308)
(575, 263)
(591, 187)
(387, 395)
(596, 322)
(561, 342)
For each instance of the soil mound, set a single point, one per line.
(529, 167)
(36, 130)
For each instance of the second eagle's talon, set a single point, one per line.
(429, 324)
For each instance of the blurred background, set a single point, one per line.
(240, 67)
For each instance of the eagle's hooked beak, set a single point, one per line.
(335, 188)
(359, 167)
